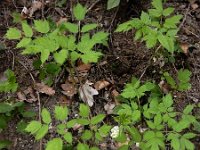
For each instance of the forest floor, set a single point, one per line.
(122, 59)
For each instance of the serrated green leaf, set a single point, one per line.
(170, 80)
(94, 148)
(41, 26)
(28, 32)
(184, 75)
(88, 27)
(83, 121)
(82, 146)
(4, 108)
(61, 129)
(61, 112)
(55, 144)
(168, 101)
(99, 37)
(84, 110)
(154, 13)
(167, 42)
(73, 28)
(91, 56)
(23, 43)
(168, 11)
(175, 143)
(188, 109)
(97, 119)
(4, 144)
(157, 4)
(79, 12)
(87, 135)
(46, 117)
(135, 134)
(44, 55)
(172, 21)
(33, 127)
(13, 34)
(68, 137)
(71, 123)
(61, 56)
(42, 132)
(145, 18)
(104, 130)
(189, 135)
(112, 4)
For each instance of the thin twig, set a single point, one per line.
(93, 4)
(185, 17)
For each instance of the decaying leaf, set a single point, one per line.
(28, 12)
(61, 20)
(109, 108)
(164, 87)
(64, 100)
(83, 68)
(115, 94)
(101, 84)
(21, 96)
(87, 92)
(69, 89)
(185, 48)
(42, 88)
(27, 95)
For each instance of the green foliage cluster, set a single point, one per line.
(161, 121)
(61, 41)
(9, 84)
(183, 78)
(92, 129)
(158, 25)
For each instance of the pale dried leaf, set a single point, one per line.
(61, 20)
(185, 48)
(69, 89)
(164, 87)
(99, 85)
(83, 68)
(195, 6)
(109, 108)
(87, 92)
(21, 96)
(42, 88)
(36, 5)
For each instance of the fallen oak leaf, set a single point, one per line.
(99, 85)
(87, 92)
(69, 89)
(42, 88)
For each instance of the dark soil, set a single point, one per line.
(124, 58)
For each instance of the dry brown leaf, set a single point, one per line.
(99, 85)
(64, 100)
(36, 5)
(87, 92)
(21, 96)
(185, 48)
(109, 108)
(83, 67)
(164, 87)
(115, 94)
(195, 6)
(61, 20)
(69, 89)
(42, 88)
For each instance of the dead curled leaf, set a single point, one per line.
(99, 85)
(68, 89)
(185, 48)
(87, 92)
(28, 12)
(42, 88)
(27, 95)
(109, 108)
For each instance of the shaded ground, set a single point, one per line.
(123, 58)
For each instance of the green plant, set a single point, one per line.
(112, 4)
(68, 41)
(182, 82)
(158, 25)
(161, 122)
(9, 84)
(94, 134)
